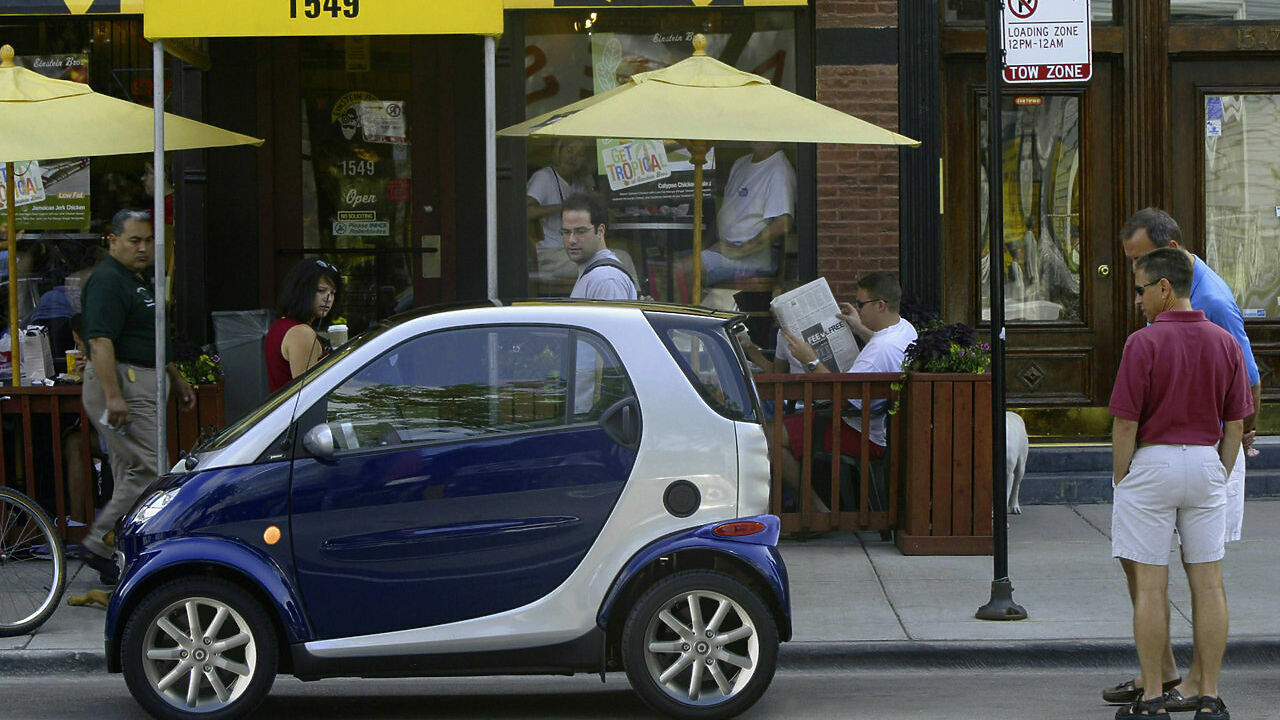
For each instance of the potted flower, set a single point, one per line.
(946, 451)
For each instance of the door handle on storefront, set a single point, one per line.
(1104, 270)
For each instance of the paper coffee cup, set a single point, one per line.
(73, 359)
(337, 335)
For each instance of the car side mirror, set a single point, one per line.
(319, 442)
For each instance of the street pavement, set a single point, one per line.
(859, 603)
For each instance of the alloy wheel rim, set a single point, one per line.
(701, 648)
(199, 654)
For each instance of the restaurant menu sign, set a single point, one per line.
(655, 173)
(51, 194)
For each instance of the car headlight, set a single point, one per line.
(155, 504)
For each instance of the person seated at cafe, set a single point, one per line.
(309, 292)
(755, 215)
(877, 300)
(570, 173)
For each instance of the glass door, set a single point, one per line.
(1226, 185)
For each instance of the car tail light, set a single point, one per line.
(739, 529)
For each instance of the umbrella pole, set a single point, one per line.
(11, 225)
(698, 155)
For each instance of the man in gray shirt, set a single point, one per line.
(601, 275)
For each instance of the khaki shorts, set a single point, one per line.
(1168, 487)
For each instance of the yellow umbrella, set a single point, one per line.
(699, 100)
(43, 118)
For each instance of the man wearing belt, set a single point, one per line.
(1180, 398)
(119, 394)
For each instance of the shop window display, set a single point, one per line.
(648, 184)
(1041, 185)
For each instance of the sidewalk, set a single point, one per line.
(857, 600)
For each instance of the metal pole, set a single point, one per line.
(11, 226)
(491, 167)
(157, 222)
(1001, 605)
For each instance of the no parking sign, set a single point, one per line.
(1046, 41)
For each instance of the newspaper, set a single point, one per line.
(809, 312)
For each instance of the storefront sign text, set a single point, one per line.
(634, 163)
(277, 18)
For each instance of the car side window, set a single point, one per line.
(462, 383)
(600, 380)
(708, 362)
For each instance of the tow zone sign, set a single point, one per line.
(1046, 41)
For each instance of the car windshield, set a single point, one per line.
(289, 391)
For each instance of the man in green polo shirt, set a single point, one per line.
(119, 393)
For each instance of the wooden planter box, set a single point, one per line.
(946, 461)
(187, 427)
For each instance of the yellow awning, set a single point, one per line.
(70, 7)
(255, 18)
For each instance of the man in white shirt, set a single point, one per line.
(877, 300)
(755, 214)
(601, 275)
(569, 173)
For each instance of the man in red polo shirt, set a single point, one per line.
(1179, 402)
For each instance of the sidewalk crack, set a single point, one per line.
(1076, 509)
(883, 590)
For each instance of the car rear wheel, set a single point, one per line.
(199, 648)
(700, 644)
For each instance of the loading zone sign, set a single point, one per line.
(1046, 41)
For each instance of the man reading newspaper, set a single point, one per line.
(876, 303)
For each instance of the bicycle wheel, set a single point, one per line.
(33, 569)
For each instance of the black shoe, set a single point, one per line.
(108, 573)
(1126, 692)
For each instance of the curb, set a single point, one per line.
(831, 656)
(1000, 654)
(51, 662)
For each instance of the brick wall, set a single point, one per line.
(856, 13)
(857, 185)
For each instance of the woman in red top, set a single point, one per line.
(308, 294)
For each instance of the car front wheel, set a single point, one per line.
(199, 648)
(700, 644)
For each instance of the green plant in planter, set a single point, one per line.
(951, 348)
(197, 365)
(941, 348)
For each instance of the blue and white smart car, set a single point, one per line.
(539, 488)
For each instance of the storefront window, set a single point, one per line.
(1040, 182)
(356, 171)
(1223, 10)
(63, 206)
(572, 55)
(974, 12)
(1241, 215)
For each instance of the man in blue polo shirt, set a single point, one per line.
(1147, 230)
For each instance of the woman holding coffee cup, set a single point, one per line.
(309, 293)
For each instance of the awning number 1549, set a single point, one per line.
(313, 8)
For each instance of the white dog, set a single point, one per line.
(1015, 462)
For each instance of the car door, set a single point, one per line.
(467, 472)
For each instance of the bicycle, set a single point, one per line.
(33, 565)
